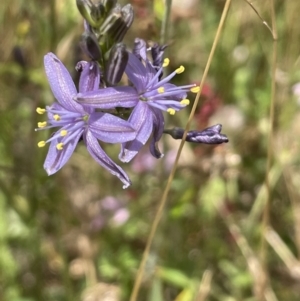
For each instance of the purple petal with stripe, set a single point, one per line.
(61, 83)
(56, 159)
(142, 120)
(101, 157)
(111, 129)
(109, 98)
(89, 77)
(137, 73)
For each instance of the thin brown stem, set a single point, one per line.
(163, 201)
(262, 20)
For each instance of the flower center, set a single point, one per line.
(71, 125)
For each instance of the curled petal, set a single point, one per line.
(89, 77)
(140, 49)
(101, 157)
(158, 129)
(157, 53)
(142, 120)
(61, 83)
(110, 129)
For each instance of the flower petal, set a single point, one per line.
(61, 83)
(89, 77)
(109, 98)
(140, 49)
(137, 73)
(142, 120)
(101, 157)
(158, 129)
(111, 129)
(56, 159)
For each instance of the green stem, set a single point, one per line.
(164, 32)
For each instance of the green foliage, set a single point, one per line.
(58, 243)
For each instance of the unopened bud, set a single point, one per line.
(85, 7)
(128, 16)
(115, 25)
(108, 5)
(90, 46)
(98, 13)
(210, 135)
(116, 64)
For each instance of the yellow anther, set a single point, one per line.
(161, 90)
(63, 133)
(195, 89)
(41, 143)
(40, 111)
(56, 117)
(60, 146)
(185, 102)
(166, 62)
(179, 70)
(42, 124)
(171, 111)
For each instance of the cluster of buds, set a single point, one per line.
(102, 109)
(106, 24)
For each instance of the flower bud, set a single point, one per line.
(210, 135)
(116, 64)
(108, 5)
(89, 45)
(85, 7)
(128, 16)
(98, 13)
(115, 26)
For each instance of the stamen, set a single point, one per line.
(42, 124)
(166, 62)
(195, 89)
(171, 111)
(185, 102)
(40, 111)
(60, 146)
(179, 70)
(63, 133)
(161, 90)
(56, 117)
(41, 143)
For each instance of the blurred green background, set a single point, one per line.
(77, 235)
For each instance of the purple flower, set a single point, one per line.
(149, 96)
(76, 121)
